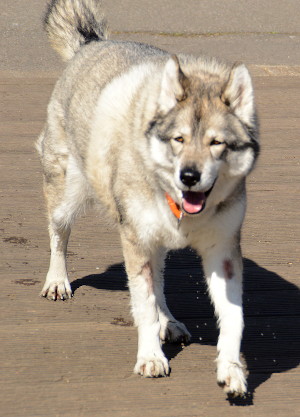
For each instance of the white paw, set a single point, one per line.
(230, 376)
(152, 367)
(57, 290)
(174, 331)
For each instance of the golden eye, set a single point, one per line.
(179, 139)
(215, 142)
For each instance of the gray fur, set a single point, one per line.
(125, 121)
(73, 23)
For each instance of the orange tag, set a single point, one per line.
(175, 209)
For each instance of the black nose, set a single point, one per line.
(189, 176)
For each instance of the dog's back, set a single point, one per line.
(78, 31)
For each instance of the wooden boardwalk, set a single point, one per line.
(75, 358)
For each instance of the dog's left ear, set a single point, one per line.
(238, 94)
(172, 85)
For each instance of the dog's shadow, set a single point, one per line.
(271, 307)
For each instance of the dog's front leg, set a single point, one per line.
(223, 270)
(151, 361)
(171, 330)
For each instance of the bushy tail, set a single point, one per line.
(73, 23)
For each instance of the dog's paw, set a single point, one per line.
(152, 367)
(175, 332)
(57, 290)
(230, 376)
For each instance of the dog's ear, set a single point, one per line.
(173, 85)
(238, 94)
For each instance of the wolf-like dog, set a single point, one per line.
(165, 143)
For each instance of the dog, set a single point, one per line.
(165, 143)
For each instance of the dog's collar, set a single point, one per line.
(174, 207)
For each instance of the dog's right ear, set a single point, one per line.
(172, 85)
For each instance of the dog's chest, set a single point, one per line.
(156, 225)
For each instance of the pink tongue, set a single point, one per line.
(192, 202)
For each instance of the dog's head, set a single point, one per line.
(204, 131)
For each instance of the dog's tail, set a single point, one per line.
(73, 23)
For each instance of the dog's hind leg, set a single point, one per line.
(151, 361)
(57, 284)
(65, 193)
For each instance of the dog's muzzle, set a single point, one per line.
(194, 202)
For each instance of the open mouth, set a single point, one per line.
(194, 202)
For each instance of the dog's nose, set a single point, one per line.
(189, 176)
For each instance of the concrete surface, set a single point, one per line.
(75, 358)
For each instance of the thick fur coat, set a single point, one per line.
(165, 144)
